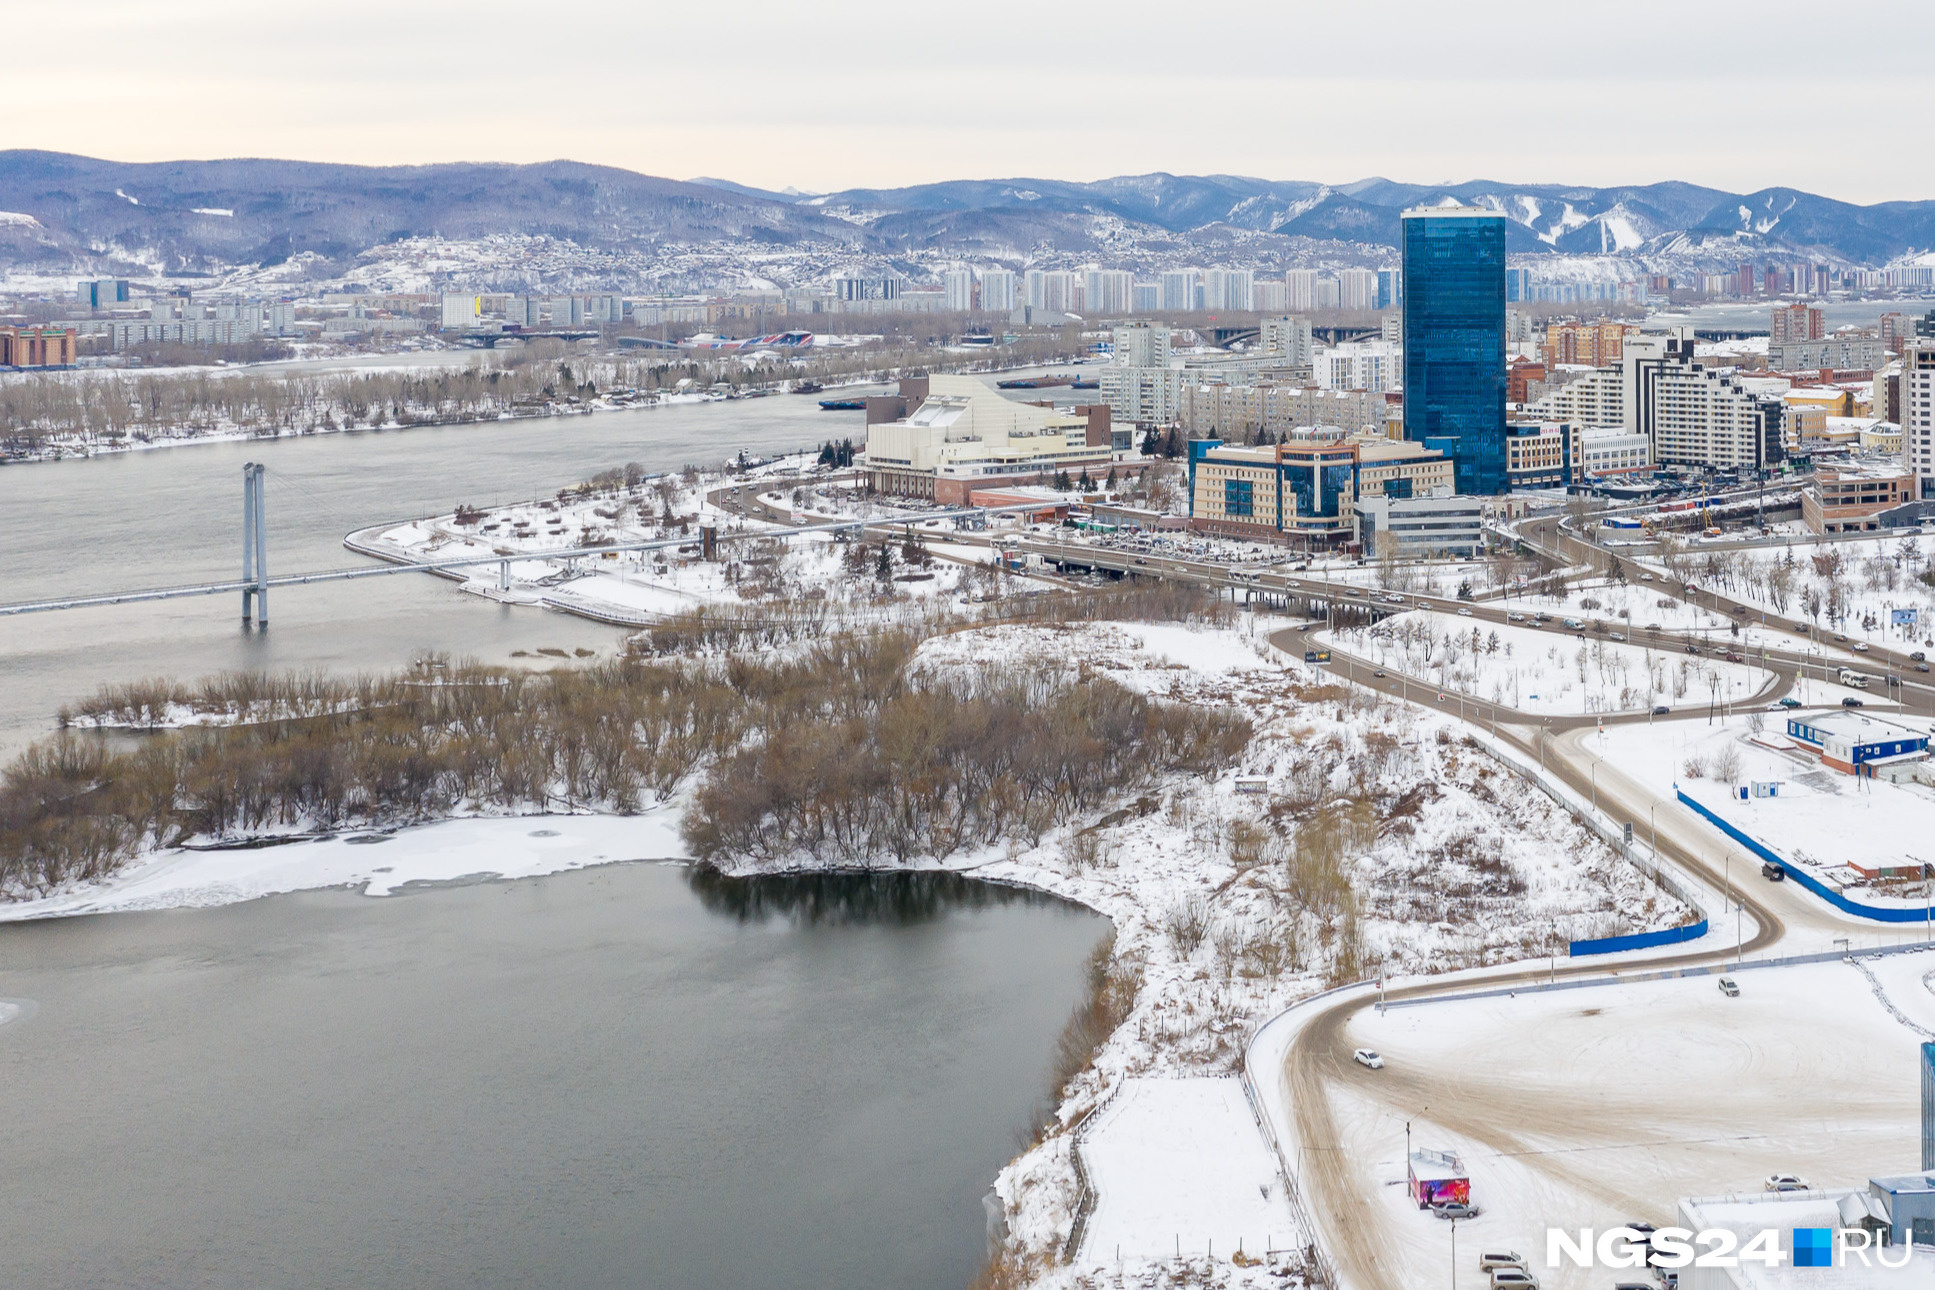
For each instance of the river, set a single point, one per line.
(617, 1077)
(169, 516)
(591, 1079)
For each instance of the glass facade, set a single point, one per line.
(1928, 1106)
(1454, 340)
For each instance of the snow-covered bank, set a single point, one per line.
(381, 864)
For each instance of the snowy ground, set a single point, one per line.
(640, 586)
(1180, 1168)
(1543, 670)
(1850, 586)
(1387, 842)
(1572, 1109)
(1819, 819)
(378, 863)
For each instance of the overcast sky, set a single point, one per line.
(827, 94)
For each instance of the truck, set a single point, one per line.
(1848, 676)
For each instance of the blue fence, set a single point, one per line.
(1638, 940)
(1878, 913)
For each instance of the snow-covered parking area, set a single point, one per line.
(1594, 1107)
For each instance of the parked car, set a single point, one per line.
(1785, 1182)
(1514, 1279)
(1773, 872)
(1369, 1058)
(1501, 1259)
(1729, 987)
(1851, 702)
(1454, 1209)
(1860, 647)
(1661, 710)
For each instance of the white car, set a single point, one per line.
(1501, 1259)
(1367, 1057)
(1860, 647)
(1514, 1278)
(1464, 613)
(1785, 1182)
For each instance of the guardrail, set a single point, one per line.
(1874, 913)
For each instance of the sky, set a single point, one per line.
(832, 94)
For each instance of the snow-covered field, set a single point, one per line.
(1594, 1107)
(1542, 670)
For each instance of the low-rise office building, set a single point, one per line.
(1305, 491)
(1849, 497)
(1418, 527)
(1857, 743)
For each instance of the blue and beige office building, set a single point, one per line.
(1305, 491)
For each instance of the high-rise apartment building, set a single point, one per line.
(1917, 408)
(1179, 294)
(998, 291)
(1300, 290)
(1454, 339)
(957, 290)
(1142, 345)
(1107, 291)
(1390, 289)
(1227, 289)
(1147, 297)
(1693, 416)
(1594, 344)
(1796, 322)
(1053, 289)
(1370, 365)
(1357, 289)
(1267, 296)
(1287, 338)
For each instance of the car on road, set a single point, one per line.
(1921, 667)
(1839, 637)
(1490, 1259)
(1514, 1279)
(1693, 649)
(1860, 647)
(1773, 872)
(1661, 710)
(1729, 987)
(1645, 577)
(1379, 672)
(1790, 702)
(1733, 657)
(1917, 657)
(1464, 613)
(1785, 1182)
(1616, 636)
(1368, 1058)
(1851, 702)
(1515, 618)
(1454, 1209)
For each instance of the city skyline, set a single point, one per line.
(781, 101)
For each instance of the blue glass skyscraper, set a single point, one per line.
(1454, 340)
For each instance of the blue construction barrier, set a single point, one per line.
(1878, 913)
(1638, 940)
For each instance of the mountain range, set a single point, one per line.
(62, 213)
